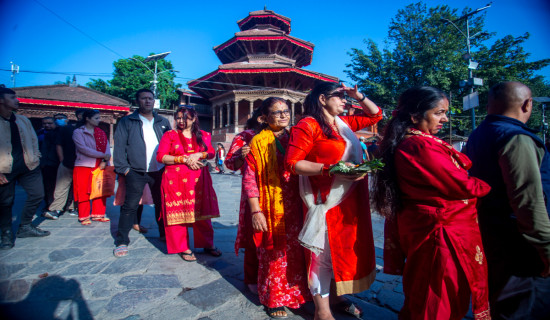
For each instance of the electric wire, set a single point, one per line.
(78, 29)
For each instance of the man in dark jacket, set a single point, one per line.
(136, 142)
(513, 217)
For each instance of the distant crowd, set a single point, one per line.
(463, 229)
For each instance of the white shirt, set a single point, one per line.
(151, 144)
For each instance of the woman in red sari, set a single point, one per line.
(188, 196)
(274, 201)
(429, 201)
(337, 205)
(92, 151)
(235, 160)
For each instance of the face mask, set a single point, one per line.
(60, 122)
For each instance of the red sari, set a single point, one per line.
(282, 280)
(353, 259)
(188, 195)
(436, 231)
(244, 238)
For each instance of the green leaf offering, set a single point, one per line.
(362, 168)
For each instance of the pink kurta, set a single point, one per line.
(188, 195)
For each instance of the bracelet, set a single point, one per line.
(364, 97)
(259, 211)
(103, 160)
(204, 155)
(180, 159)
(325, 171)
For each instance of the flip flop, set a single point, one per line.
(188, 254)
(349, 308)
(86, 222)
(102, 219)
(120, 251)
(271, 312)
(140, 229)
(215, 252)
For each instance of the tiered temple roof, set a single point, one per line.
(259, 61)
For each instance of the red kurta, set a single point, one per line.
(353, 258)
(188, 195)
(437, 232)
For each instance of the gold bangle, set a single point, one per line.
(204, 155)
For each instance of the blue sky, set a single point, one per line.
(37, 40)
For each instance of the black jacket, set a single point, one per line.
(129, 151)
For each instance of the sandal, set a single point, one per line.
(102, 219)
(215, 252)
(86, 222)
(120, 251)
(139, 228)
(190, 255)
(277, 313)
(349, 308)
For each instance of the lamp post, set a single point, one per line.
(156, 58)
(472, 65)
(544, 124)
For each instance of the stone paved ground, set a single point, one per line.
(72, 273)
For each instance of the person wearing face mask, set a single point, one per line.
(431, 233)
(63, 196)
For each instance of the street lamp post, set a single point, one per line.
(156, 58)
(472, 65)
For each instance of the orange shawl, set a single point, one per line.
(263, 148)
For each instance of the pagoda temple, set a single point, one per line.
(260, 61)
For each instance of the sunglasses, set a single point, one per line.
(339, 94)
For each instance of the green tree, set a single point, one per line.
(67, 81)
(422, 49)
(130, 75)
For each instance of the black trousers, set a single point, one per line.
(31, 181)
(49, 177)
(135, 183)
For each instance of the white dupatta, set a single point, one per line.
(313, 232)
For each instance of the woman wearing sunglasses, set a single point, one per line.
(188, 196)
(337, 231)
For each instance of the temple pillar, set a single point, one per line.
(213, 118)
(111, 134)
(236, 117)
(292, 113)
(220, 124)
(228, 106)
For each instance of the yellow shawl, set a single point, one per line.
(263, 148)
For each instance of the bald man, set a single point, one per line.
(513, 217)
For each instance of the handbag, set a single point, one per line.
(103, 182)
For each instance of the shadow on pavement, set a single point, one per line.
(46, 296)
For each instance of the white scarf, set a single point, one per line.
(312, 235)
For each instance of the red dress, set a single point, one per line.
(244, 238)
(188, 195)
(437, 232)
(282, 280)
(353, 258)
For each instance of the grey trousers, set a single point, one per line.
(62, 193)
